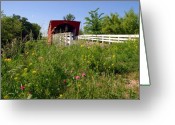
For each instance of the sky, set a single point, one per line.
(41, 12)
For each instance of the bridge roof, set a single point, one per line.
(54, 23)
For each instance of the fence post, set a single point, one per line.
(70, 38)
(109, 39)
(65, 39)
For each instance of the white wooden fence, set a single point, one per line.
(62, 38)
(108, 38)
(67, 38)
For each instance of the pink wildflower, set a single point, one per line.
(83, 74)
(77, 77)
(22, 87)
(64, 81)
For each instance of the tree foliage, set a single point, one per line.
(93, 23)
(11, 29)
(130, 23)
(17, 27)
(112, 24)
(81, 32)
(69, 17)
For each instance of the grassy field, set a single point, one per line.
(81, 71)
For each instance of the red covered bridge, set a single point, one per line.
(62, 26)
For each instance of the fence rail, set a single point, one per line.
(62, 38)
(108, 38)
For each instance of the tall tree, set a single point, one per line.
(36, 31)
(130, 23)
(11, 29)
(111, 24)
(93, 23)
(28, 28)
(17, 27)
(69, 17)
(81, 32)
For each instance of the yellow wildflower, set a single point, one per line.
(6, 97)
(16, 78)
(25, 69)
(34, 72)
(30, 64)
(7, 60)
(24, 74)
(40, 58)
(113, 56)
(33, 54)
(60, 96)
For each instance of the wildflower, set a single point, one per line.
(40, 58)
(24, 74)
(60, 96)
(25, 69)
(16, 78)
(30, 64)
(34, 72)
(113, 56)
(22, 87)
(33, 53)
(64, 81)
(83, 74)
(6, 97)
(7, 60)
(29, 96)
(77, 77)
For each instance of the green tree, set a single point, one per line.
(93, 23)
(111, 24)
(69, 17)
(81, 32)
(36, 31)
(11, 29)
(130, 23)
(28, 29)
(19, 28)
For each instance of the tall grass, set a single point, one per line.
(80, 71)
